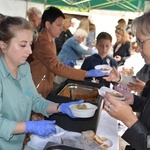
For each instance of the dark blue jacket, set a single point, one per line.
(93, 60)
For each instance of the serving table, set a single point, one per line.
(101, 123)
(72, 90)
(107, 127)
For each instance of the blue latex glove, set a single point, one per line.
(69, 63)
(41, 128)
(64, 108)
(96, 73)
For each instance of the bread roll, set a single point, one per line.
(103, 138)
(89, 133)
(106, 146)
(98, 139)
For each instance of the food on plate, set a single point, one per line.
(86, 93)
(89, 134)
(105, 146)
(102, 141)
(105, 69)
(127, 71)
(81, 106)
(83, 112)
(98, 139)
(116, 95)
(103, 138)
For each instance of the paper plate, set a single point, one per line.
(104, 68)
(83, 113)
(102, 91)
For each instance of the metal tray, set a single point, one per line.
(78, 91)
(87, 91)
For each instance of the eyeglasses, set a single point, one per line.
(140, 42)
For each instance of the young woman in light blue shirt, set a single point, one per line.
(18, 95)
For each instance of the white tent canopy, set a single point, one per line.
(17, 7)
(104, 20)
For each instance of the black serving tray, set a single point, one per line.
(77, 124)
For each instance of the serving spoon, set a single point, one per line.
(108, 61)
(94, 80)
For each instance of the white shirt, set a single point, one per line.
(136, 61)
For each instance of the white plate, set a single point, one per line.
(107, 144)
(104, 68)
(83, 113)
(102, 91)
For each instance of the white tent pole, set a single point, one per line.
(44, 3)
(27, 1)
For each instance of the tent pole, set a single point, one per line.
(27, 3)
(126, 7)
(44, 3)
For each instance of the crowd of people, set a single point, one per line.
(53, 49)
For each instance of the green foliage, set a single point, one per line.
(70, 8)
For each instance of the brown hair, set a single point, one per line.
(103, 35)
(2, 17)
(92, 27)
(122, 23)
(9, 25)
(66, 20)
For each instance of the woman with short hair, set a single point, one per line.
(138, 132)
(71, 50)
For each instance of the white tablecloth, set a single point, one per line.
(108, 127)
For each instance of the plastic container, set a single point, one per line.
(83, 113)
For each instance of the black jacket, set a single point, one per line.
(95, 59)
(64, 35)
(138, 136)
(123, 51)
